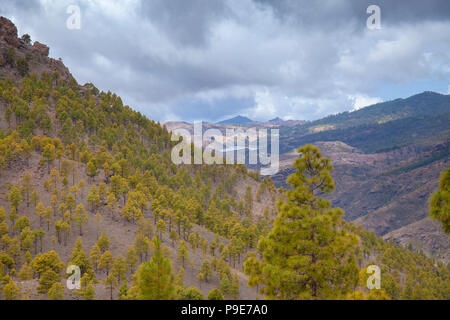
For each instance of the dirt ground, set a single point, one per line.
(121, 235)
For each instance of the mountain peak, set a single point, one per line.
(428, 94)
(236, 120)
(277, 119)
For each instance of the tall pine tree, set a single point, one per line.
(308, 254)
(440, 202)
(154, 280)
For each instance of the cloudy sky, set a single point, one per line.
(210, 60)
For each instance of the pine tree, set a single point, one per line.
(15, 198)
(54, 204)
(13, 216)
(154, 280)
(248, 200)
(131, 259)
(93, 198)
(48, 278)
(142, 246)
(111, 283)
(103, 242)
(179, 279)
(56, 292)
(206, 270)
(27, 187)
(47, 261)
(160, 228)
(106, 262)
(39, 211)
(48, 216)
(70, 202)
(119, 268)
(79, 257)
(11, 291)
(123, 292)
(34, 197)
(91, 170)
(215, 294)
(191, 293)
(183, 252)
(26, 272)
(48, 155)
(81, 217)
(97, 222)
(95, 255)
(173, 236)
(225, 283)
(440, 202)
(4, 228)
(89, 293)
(62, 229)
(308, 254)
(235, 287)
(21, 224)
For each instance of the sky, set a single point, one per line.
(211, 60)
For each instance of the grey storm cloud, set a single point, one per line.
(185, 22)
(332, 14)
(210, 59)
(20, 5)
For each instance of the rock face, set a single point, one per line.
(8, 32)
(41, 49)
(39, 53)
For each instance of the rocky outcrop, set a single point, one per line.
(41, 49)
(38, 52)
(8, 32)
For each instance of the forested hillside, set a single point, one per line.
(87, 181)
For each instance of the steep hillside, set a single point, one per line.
(86, 165)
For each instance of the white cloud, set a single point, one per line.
(361, 100)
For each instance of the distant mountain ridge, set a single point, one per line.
(423, 104)
(236, 120)
(277, 119)
(380, 127)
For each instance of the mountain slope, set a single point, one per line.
(96, 166)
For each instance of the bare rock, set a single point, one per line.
(8, 32)
(41, 49)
